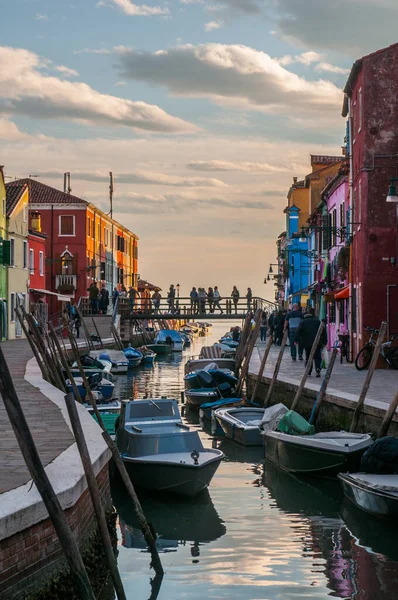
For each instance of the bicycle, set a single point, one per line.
(364, 356)
(344, 345)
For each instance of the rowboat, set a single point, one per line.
(246, 425)
(375, 494)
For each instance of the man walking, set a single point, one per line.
(194, 300)
(93, 293)
(292, 321)
(217, 299)
(306, 334)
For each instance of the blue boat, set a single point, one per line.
(133, 356)
(186, 338)
(103, 386)
(209, 378)
(169, 337)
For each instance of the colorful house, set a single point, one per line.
(3, 268)
(17, 212)
(83, 244)
(38, 292)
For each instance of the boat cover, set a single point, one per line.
(381, 457)
(294, 424)
(386, 483)
(221, 402)
(270, 418)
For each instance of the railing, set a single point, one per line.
(67, 280)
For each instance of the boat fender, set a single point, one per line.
(195, 456)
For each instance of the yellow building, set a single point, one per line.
(17, 199)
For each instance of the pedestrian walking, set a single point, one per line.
(171, 294)
(103, 300)
(249, 298)
(77, 324)
(210, 299)
(123, 292)
(156, 298)
(263, 327)
(271, 325)
(292, 321)
(194, 300)
(93, 293)
(133, 295)
(115, 296)
(279, 321)
(305, 336)
(217, 299)
(235, 295)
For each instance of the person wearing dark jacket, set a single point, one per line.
(279, 322)
(305, 336)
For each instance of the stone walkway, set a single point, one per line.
(50, 432)
(346, 379)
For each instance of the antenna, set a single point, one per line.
(111, 193)
(67, 188)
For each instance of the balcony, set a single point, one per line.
(65, 283)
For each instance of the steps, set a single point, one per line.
(103, 323)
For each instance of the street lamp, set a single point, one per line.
(178, 294)
(272, 265)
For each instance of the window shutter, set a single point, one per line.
(325, 232)
(6, 252)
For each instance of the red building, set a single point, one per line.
(371, 104)
(38, 292)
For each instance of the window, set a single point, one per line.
(341, 312)
(360, 110)
(332, 312)
(106, 236)
(359, 203)
(12, 307)
(41, 263)
(12, 252)
(354, 310)
(342, 214)
(354, 120)
(102, 271)
(25, 212)
(99, 231)
(4, 207)
(66, 225)
(334, 226)
(31, 261)
(88, 226)
(92, 228)
(25, 254)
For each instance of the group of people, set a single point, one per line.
(99, 299)
(199, 298)
(132, 294)
(302, 328)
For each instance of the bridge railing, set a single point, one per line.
(185, 306)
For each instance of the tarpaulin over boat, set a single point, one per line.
(295, 424)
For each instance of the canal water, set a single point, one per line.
(257, 534)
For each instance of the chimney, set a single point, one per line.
(35, 221)
(67, 188)
(294, 180)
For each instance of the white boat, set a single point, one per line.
(246, 425)
(120, 363)
(375, 494)
(171, 338)
(160, 452)
(197, 364)
(325, 453)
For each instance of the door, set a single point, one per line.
(18, 326)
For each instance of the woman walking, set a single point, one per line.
(235, 295)
(249, 298)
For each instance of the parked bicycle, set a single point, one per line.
(344, 345)
(364, 356)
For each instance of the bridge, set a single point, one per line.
(185, 309)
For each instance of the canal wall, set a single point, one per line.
(32, 565)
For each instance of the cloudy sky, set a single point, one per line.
(203, 109)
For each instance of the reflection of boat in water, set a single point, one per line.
(175, 521)
(236, 453)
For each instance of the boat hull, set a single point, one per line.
(171, 477)
(305, 460)
(197, 397)
(379, 503)
(159, 348)
(245, 436)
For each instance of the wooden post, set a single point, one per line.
(251, 343)
(276, 369)
(323, 388)
(262, 367)
(150, 539)
(309, 366)
(44, 487)
(369, 375)
(97, 332)
(89, 341)
(388, 417)
(95, 495)
(35, 350)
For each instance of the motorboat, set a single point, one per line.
(109, 411)
(120, 363)
(186, 338)
(160, 452)
(96, 383)
(373, 493)
(324, 453)
(170, 338)
(198, 379)
(133, 356)
(159, 348)
(148, 357)
(205, 388)
(246, 425)
(229, 342)
(92, 365)
(196, 364)
(200, 396)
(226, 350)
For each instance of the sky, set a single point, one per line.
(204, 110)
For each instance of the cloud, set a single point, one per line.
(93, 51)
(223, 165)
(212, 25)
(9, 131)
(66, 71)
(40, 17)
(25, 90)
(328, 68)
(142, 178)
(306, 58)
(248, 7)
(138, 10)
(234, 75)
(354, 27)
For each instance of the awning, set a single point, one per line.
(342, 294)
(60, 297)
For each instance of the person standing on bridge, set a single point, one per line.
(171, 294)
(249, 298)
(202, 296)
(156, 298)
(194, 300)
(217, 299)
(235, 295)
(210, 299)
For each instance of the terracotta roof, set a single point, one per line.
(319, 159)
(40, 193)
(13, 196)
(143, 284)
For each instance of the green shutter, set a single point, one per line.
(5, 253)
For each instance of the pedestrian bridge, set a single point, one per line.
(184, 308)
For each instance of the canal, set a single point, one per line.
(258, 534)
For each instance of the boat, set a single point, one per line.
(324, 453)
(96, 383)
(200, 396)
(209, 376)
(171, 338)
(205, 388)
(246, 425)
(229, 342)
(160, 452)
(148, 357)
(186, 338)
(120, 364)
(133, 356)
(159, 348)
(373, 493)
(109, 411)
(226, 351)
(92, 365)
(196, 364)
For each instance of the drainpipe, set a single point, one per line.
(351, 283)
(388, 308)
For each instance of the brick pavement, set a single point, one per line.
(345, 378)
(50, 432)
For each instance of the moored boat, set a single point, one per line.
(196, 364)
(373, 493)
(115, 357)
(133, 356)
(160, 452)
(96, 383)
(246, 425)
(109, 411)
(171, 338)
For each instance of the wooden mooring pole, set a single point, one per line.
(262, 367)
(276, 369)
(369, 375)
(249, 351)
(309, 366)
(323, 388)
(388, 417)
(44, 487)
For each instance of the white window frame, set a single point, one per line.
(12, 252)
(41, 262)
(25, 254)
(31, 261)
(74, 226)
(13, 306)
